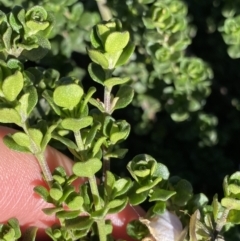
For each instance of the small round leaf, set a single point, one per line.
(8, 115)
(77, 124)
(88, 168)
(98, 58)
(116, 41)
(67, 96)
(75, 202)
(231, 203)
(12, 86)
(56, 192)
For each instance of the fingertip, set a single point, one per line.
(19, 174)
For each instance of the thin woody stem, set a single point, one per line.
(104, 10)
(40, 157)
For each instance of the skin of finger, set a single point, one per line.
(20, 173)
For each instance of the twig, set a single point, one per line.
(104, 10)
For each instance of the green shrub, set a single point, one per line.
(169, 67)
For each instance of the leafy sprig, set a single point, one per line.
(97, 134)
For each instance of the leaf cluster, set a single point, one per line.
(25, 33)
(49, 107)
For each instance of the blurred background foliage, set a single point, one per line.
(185, 73)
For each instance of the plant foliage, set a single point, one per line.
(139, 58)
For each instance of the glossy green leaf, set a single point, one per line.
(159, 207)
(60, 171)
(35, 27)
(142, 166)
(225, 186)
(92, 133)
(114, 24)
(15, 24)
(233, 188)
(67, 96)
(235, 176)
(9, 234)
(161, 171)
(67, 191)
(75, 125)
(37, 12)
(98, 58)
(121, 186)
(125, 55)
(230, 203)
(99, 214)
(56, 191)
(61, 180)
(51, 232)
(99, 105)
(112, 59)
(15, 64)
(6, 38)
(94, 38)
(148, 185)
(102, 31)
(36, 48)
(84, 104)
(123, 97)
(10, 143)
(119, 153)
(97, 73)
(234, 217)
(137, 230)
(108, 227)
(8, 115)
(234, 51)
(110, 180)
(79, 223)
(48, 135)
(21, 139)
(27, 102)
(116, 41)
(71, 179)
(161, 195)
(30, 234)
(74, 202)
(13, 222)
(149, 24)
(36, 135)
(197, 201)
(69, 143)
(119, 136)
(37, 20)
(115, 81)
(183, 192)
(32, 98)
(87, 168)
(98, 145)
(48, 95)
(68, 214)
(142, 172)
(42, 192)
(137, 198)
(109, 125)
(117, 205)
(12, 86)
(51, 211)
